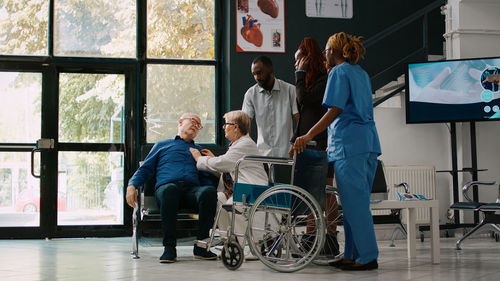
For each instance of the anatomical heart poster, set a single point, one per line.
(260, 26)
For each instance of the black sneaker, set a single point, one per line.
(203, 254)
(331, 247)
(169, 255)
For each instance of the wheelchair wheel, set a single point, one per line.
(333, 248)
(232, 255)
(283, 238)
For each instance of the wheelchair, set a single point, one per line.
(285, 224)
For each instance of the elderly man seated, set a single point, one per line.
(178, 183)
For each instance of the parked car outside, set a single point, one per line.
(28, 201)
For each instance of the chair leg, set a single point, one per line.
(135, 237)
(399, 227)
(474, 230)
(496, 228)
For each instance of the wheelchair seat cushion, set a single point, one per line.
(252, 191)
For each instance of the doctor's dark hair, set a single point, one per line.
(241, 118)
(346, 46)
(265, 61)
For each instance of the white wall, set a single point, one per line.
(472, 30)
(416, 144)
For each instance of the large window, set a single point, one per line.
(186, 88)
(95, 28)
(181, 29)
(91, 108)
(23, 27)
(97, 79)
(181, 44)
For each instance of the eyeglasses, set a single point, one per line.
(226, 124)
(195, 122)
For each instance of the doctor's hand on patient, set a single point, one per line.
(198, 153)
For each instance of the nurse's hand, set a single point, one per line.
(301, 142)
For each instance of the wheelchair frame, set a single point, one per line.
(280, 236)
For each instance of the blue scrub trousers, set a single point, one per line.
(354, 177)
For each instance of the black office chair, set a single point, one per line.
(146, 220)
(490, 219)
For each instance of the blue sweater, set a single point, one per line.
(170, 161)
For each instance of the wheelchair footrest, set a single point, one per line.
(205, 243)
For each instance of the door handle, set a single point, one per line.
(41, 145)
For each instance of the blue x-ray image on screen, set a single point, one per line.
(453, 90)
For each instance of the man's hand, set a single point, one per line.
(195, 152)
(131, 196)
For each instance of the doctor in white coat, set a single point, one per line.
(236, 128)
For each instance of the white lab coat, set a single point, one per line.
(249, 172)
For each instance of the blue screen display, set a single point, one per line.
(453, 90)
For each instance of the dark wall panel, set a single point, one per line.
(370, 17)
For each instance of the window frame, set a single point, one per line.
(135, 98)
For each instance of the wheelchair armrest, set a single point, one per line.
(472, 183)
(266, 159)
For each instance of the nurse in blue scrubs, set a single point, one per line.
(353, 146)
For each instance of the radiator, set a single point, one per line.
(420, 180)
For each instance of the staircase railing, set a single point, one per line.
(396, 69)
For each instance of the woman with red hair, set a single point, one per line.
(312, 169)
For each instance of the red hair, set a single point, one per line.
(316, 67)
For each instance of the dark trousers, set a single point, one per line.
(172, 196)
(311, 170)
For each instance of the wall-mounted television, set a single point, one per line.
(452, 91)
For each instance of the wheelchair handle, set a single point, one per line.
(265, 159)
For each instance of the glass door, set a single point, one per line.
(20, 127)
(91, 149)
(76, 186)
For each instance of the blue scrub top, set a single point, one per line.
(353, 131)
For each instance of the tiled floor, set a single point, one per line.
(109, 259)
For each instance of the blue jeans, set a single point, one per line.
(311, 169)
(354, 177)
(171, 196)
